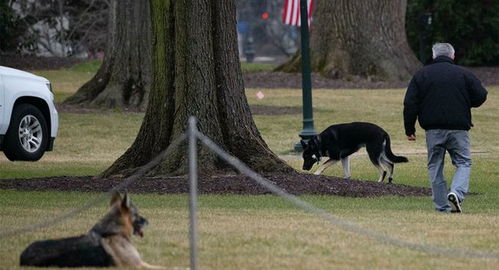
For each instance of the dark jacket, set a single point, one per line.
(441, 95)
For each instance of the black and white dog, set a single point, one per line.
(339, 141)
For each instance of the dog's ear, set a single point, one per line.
(126, 203)
(115, 199)
(313, 142)
(303, 144)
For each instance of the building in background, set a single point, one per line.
(262, 35)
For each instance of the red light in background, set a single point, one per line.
(265, 16)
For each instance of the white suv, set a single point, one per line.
(28, 118)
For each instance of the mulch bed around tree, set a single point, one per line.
(255, 109)
(268, 80)
(30, 62)
(295, 183)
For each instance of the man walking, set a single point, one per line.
(440, 96)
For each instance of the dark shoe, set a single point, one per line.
(454, 203)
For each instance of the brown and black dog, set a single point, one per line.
(107, 244)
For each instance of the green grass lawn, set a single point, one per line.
(266, 232)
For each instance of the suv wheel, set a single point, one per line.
(27, 136)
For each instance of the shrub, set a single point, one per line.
(471, 26)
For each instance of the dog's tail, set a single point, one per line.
(389, 154)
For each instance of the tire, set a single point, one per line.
(27, 136)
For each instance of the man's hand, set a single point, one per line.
(411, 137)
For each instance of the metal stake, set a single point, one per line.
(193, 178)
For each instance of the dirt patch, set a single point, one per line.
(255, 109)
(29, 62)
(81, 109)
(295, 183)
(294, 80)
(488, 76)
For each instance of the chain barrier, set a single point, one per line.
(335, 220)
(236, 163)
(128, 181)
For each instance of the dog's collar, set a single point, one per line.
(96, 235)
(318, 138)
(103, 233)
(320, 152)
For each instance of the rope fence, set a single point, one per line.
(193, 136)
(337, 221)
(122, 186)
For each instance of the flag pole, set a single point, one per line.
(308, 116)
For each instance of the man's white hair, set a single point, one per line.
(444, 49)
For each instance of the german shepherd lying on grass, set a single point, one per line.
(108, 243)
(339, 141)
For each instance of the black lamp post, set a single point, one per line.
(308, 116)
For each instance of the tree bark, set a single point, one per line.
(196, 71)
(124, 78)
(363, 38)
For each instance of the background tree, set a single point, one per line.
(196, 72)
(11, 28)
(471, 26)
(365, 38)
(52, 27)
(123, 80)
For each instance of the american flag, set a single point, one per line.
(291, 14)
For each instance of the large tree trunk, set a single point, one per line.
(124, 78)
(196, 71)
(364, 38)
